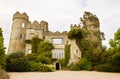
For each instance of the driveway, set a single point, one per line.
(64, 75)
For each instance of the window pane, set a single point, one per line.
(31, 35)
(58, 41)
(58, 53)
(29, 51)
(23, 25)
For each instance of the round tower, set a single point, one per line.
(18, 32)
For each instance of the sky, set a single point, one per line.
(60, 14)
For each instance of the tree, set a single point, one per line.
(88, 16)
(115, 43)
(2, 51)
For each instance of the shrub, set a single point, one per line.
(40, 67)
(105, 68)
(115, 60)
(3, 74)
(113, 64)
(43, 59)
(32, 56)
(16, 55)
(17, 62)
(35, 66)
(83, 64)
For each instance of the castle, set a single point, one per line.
(23, 29)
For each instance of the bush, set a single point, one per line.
(43, 59)
(3, 74)
(113, 64)
(83, 64)
(105, 68)
(16, 55)
(32, 56)
(115, 60)
(40, 67)
(17, 62)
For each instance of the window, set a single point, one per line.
(31, 35)
(29, 51)
(57, 53)
(23, 25)
(21, 36)
(57, 41)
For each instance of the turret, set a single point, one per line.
(44, 25)
(18, 32)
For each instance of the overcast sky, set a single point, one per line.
(61, 13)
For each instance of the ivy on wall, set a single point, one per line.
(65, 61)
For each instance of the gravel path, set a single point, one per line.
(64, 75)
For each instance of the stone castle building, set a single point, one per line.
(23, 29)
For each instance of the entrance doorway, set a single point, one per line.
(57, 65)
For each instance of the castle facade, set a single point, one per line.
(23, 29)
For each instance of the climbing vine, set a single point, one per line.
(65, 61)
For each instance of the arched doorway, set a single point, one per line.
(57, 65)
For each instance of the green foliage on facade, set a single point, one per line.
(75, 33)
(2, 51)
(35, 43)
(45, 46)
(44, 59)
(28, 41)
(64, 62)
(40, 60)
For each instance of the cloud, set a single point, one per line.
(61, 13)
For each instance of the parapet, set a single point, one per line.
(44, 23)
(18, 15)
(57, 33)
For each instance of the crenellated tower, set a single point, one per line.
(18, 32)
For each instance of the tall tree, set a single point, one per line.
(2, 51)
(115, 43)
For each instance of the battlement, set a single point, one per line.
(57, 33)
(74, 26)
(18, 15)
(43, 23)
